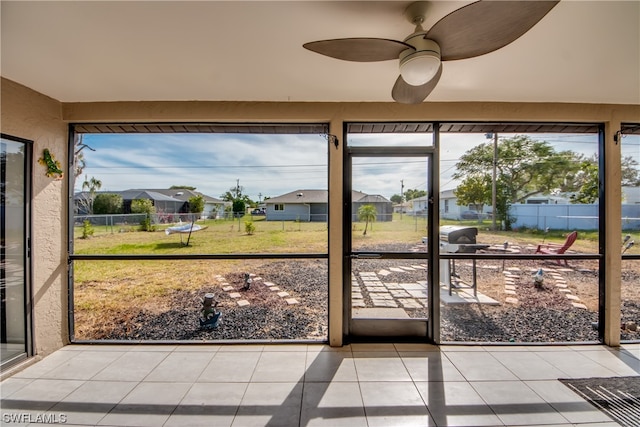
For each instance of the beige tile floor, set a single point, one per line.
(365, 385)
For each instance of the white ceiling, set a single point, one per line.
(582, 51)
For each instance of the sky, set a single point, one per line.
(272, 165)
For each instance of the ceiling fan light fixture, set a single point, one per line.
(418, 66)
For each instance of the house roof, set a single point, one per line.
(185, 195)
(308, 196)
(447, 194)
(135, 194)
(372, 198)
(161, 194)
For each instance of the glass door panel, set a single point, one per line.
(388, 218)
(14, 338)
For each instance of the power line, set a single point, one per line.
(209, 166)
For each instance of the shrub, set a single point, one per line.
(144, 206)
(196, 204)
(106, 203)
(87, 229)
(249, 228)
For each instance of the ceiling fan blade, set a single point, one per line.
(404, 93)
(359, 49)
(485, 26)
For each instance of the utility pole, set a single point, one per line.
(237, 194)
(401, 197)
(493, 182)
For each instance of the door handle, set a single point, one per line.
(366, 256)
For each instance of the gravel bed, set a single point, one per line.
(518, 324)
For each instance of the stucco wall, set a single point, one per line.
(30, 115)
(338, 113)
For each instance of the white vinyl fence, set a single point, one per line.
(568, 216)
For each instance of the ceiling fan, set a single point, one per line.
(473, 30)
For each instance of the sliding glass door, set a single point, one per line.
(14, 251)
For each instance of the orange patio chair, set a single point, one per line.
(555, 248)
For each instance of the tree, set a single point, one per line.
(91, 186)
(106, 204)
(196, 204)
(524, 166)
(587, 178)
(474, 191)
(239, 200)
(367, 213)
(79, 162)
(588, 192)
(238, 207)
(630, 172)
(414, 194)
(182, 187)
(396, 199)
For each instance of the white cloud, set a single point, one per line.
(270, 165)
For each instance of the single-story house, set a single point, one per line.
(449, 208)
(631, 195)
(312, 205)
(213, 207)
(299, 205)
(403, 207)
(383, 206)
(166, 201)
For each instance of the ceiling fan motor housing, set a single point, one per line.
(418, 66)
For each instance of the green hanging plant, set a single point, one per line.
(53, 166)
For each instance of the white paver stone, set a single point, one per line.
(409, 303)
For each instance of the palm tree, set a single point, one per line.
(367, 213)
(93, 185)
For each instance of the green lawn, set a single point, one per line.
(230, 237)
(118, 289)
